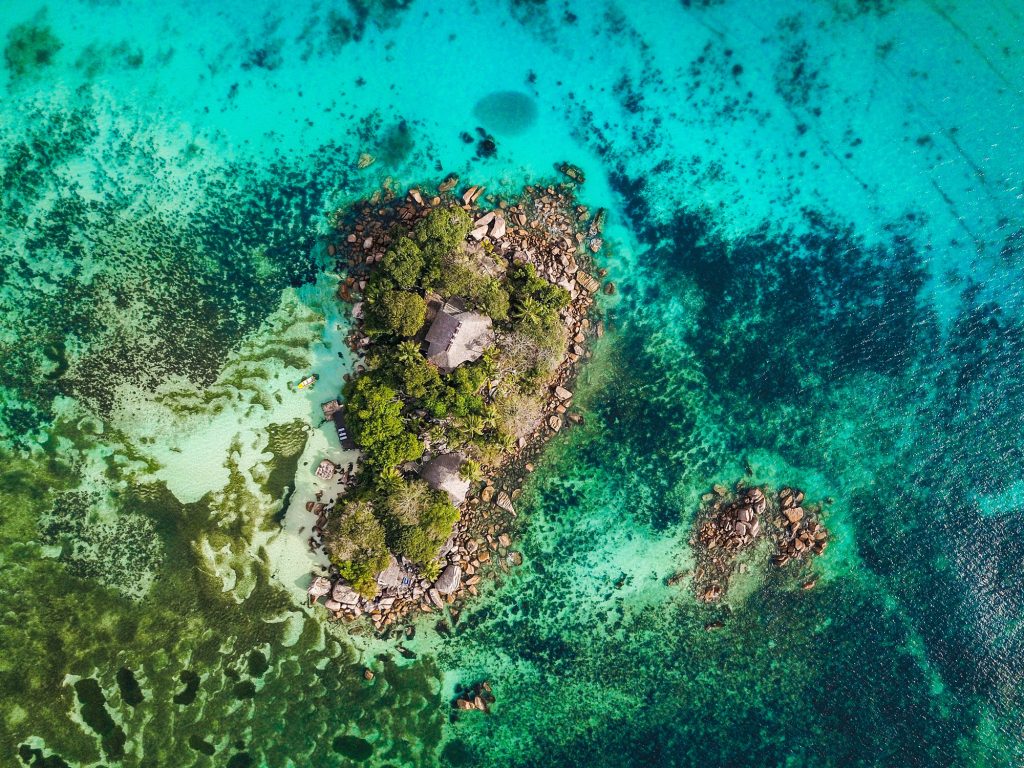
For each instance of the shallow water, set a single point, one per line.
(816, 238)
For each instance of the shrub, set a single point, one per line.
(355, 543)
(397, 312)
(492, 299)
(419, 379)
(526, 283)
(418, 545)
(406, 503)
(435, 515)
(440, 233)
(470, 470)
(403, 264)
(443, 227)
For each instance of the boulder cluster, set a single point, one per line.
(478, 697)
(480, 545)
(801, 534)
(732, 525)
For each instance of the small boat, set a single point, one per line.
(308, 382)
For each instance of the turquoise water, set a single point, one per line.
(816, 236)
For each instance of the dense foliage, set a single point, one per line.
(356, 544)
(480, 409)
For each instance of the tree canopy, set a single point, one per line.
(400, 313)
(374, 415)
(356, 544)
(403, 264)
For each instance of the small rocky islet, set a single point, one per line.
(733, 528)
(470, 315)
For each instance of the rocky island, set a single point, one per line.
(737, 529)
(470, 315)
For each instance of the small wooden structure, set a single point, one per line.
(339, 424)
(326, 469)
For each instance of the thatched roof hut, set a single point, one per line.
(457, 337)
(442, 474)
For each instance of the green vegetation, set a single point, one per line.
(399, 313)
(374, 416)
(480, 409)
(356, 544)
(403, 264)
(30, 47)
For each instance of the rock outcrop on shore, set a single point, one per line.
(733, 528)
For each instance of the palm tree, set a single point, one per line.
(389, 480)
(528, 310)
(506, 441)
(474, 426)
(408, 353)
(470, 470)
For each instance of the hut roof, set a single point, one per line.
(442, 474)
(449, 580)
(456, 337)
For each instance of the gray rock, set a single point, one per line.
(449, 580)
(498, 227)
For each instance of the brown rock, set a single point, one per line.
(505, 502)
(367, 674)
(794, 514)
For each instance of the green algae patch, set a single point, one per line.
(94, 713)
(187, 695)
(257, 663)
(30, 47)
(199, 744)
(131, 693)
(352, 747)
